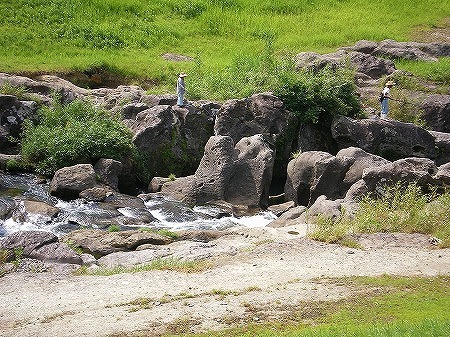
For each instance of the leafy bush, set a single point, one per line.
(72, 134)
(314, 95)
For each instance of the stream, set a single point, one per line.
(156, 212)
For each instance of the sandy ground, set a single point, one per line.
(272, 276)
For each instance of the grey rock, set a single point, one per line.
(109, 170)
(100, 243)
(156, 184)
(28, 241)
(436, 112)
(315, 173)
(362, 160)
(290, 217)
(442, 141)
(261, 113)
(130, 259)
(389, 139)
(39, 207)
(68, 182)
(56, 252)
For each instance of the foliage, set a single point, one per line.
(438, 72)
(315, 95)
(14, 165)
(113, 228)
(72, 134)
(19, 91)
(398, 209)
(164, 232)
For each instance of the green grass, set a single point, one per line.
(128, 37)
(399, 209)
(393, 307)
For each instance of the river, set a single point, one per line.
(158, 212)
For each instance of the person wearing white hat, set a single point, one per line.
(181, 88)
(386, 96)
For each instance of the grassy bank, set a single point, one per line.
(129, 37)
(393, 306)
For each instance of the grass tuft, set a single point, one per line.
(399, 209)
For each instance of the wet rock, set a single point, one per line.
(38, 207)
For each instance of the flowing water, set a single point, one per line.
(156, 212)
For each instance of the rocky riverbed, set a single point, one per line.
(256, 275)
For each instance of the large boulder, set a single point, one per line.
(68, 182)
(39, 207)
(316, 173)
(27, 241)
(407, 50)
(108, 171)
(421, 171)
(171, 138)
(250, 183)
(261, 113)
(56, 252)
(238, 174)
(371, 66)
(442, 140)
(436, 112)
(361, 160)
(412, 50)
(443, 174)
(389, 139)
(100, 243)
(315, 137)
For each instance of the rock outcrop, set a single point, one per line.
(436, 112)
(100, 243)
(238, 174)
(260, 114)
(389, 139)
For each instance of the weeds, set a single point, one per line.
(399, 209)
(157, 264)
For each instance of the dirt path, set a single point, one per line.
(268, 279)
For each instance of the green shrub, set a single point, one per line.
(315, 95)
(114, 228)
(72, 134)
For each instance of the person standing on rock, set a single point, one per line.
(181, 88)
(386, 96)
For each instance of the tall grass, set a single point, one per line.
(399, 209)
(131, 35)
